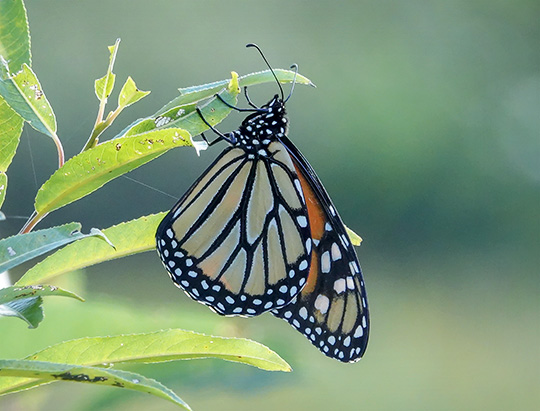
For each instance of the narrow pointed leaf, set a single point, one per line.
(130, 94)
(11, 125)
(49, 371)
(160, 346)
(104, 86)
(91, 169)
(19, 248)
(24, 94)
(129, 238)
(193, 94)
(14, 35)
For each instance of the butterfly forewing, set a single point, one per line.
(331, 311)
(239, 240)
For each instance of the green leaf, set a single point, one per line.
(24, 94)
(130, 94)
(91, 169)
(104, 86)
(159, 346)
(49, 371)
(162, 346)
(14, 35)
(3, 187)
(27, 309)
(186, 117)
(11, 125)
(193, 94)
(356, 240)
(14, 293)
(128, 238)
(26, 302)
(19, 248)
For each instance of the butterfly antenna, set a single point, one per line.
(270, 67)
(295, 67)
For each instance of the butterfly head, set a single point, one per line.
(263, 127)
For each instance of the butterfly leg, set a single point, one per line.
(230, 139)
(210, 143)
(255, 109)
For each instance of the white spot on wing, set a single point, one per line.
(325, 262)
(336, 252)
(322, 303)
(340, 285)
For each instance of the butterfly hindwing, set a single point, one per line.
(331, 311)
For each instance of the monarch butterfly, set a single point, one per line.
(258, 232)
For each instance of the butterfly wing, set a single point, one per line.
(239, 239)
(331, 311)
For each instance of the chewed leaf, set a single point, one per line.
(19, 248)
(91, 169)
(14, 293)
(49, 371)
(186, 117)
(129, 238)
(24, 94)
(130, 94)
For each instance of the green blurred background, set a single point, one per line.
(425, 129)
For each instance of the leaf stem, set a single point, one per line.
(60, 149)
(34, 219)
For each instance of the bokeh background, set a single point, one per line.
(425, 129)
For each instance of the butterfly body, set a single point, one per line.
(257, 232)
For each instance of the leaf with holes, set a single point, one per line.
(49, 371)
(91, 169)
(24, 94)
